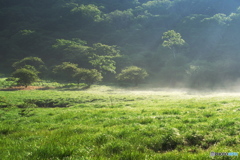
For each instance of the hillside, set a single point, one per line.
(61, 30)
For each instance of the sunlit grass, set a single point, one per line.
(112, 123)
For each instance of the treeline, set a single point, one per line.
(33, 69)
(111, 35)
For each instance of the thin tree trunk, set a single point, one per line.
(174, 52)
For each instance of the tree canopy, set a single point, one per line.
(172, 40)
(88, 76)
(25, 77)
(132, 74)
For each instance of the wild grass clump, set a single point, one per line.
(194, 138)
(230, 141)
(116, 147)
(6, 130)
(101, 139)
(165, 141)
(173, 112)
(52, 151)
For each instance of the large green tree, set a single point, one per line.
(101, 56)
(172, 40)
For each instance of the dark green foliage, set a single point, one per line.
(65, 71)
(132, 74)
(73, 50)
(92, 33)
(102, 56)
(87, 13)
(88, 76)
(35, 64)
(29, 61)
(80, 74)
(25, 76)
(70, 71)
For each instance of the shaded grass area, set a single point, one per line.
(102, 123)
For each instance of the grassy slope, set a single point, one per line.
(104, 123)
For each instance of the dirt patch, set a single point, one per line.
(28, 88)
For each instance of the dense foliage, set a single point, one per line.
(88, 76)
(132, 74)
(24, 76)
(111, 35)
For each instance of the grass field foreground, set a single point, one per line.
(108, 123)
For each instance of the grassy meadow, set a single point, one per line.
(106, 122)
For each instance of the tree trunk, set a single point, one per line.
(136, 83)
(174, 52)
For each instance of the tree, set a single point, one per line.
(73, 50)
(31, 68)
(89, 76)
(25, 77)
(102, 57)
(80, 74)
(158, 7)
(87, 13)
(132, 74)
(65, 71)
(172, 40)
(120, 19)
(34, 64)
(33, 61)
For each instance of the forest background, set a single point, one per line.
(111, 35)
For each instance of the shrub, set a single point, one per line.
(25, 76)
(132, 74)
(65, 71)
(31, 63)
(89, 76)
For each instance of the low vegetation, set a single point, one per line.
(111, 123)
(25, 77)
(132, 74)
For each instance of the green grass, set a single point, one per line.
(111, 123)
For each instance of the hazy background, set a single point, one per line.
(209, 58)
